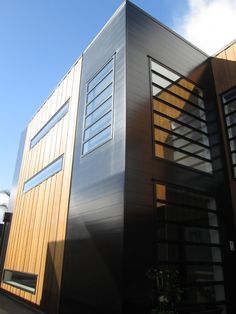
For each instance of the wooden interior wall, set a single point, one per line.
(40, 215)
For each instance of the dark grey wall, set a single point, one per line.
(92, 275)
(146, 37)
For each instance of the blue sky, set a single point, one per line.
(41, 39)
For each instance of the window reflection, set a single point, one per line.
(188, 238)
(179, 118)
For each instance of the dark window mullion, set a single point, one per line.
(180, 122)
(186, 206)
(177, 84)
(179, 109)
(189, 243)
(181, 136)
(182, 151)
(104, 127)
(186, 224)
(88, 103)
(100, 82)
(178, 96)
(87, 115)
(88, 127)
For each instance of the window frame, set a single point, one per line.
(65, 105)
(111, 109)
(227, 127)
(18, 285)
(189, 114)
(25, 189)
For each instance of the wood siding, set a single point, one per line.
(224, 69)
(40, 215)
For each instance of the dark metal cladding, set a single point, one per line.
(92, 274)
(146, 37)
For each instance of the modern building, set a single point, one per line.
(129, 164)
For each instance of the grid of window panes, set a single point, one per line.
(50, 124)
(180, 129)
(229, 102)
(188, 241)
(99, 109)
(44, 174)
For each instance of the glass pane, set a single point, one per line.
(44, 174)
(195, 253)
(182, 196)
(231, 119)
(99, 125)
(160, 81)
(204, 294)
(100, 87)
(50, 124)
(100, 75)
(231, 107)
(156, 90)
(182, 159)
(180, 233)
(181, 129)
(99, 112)
(97, 140)
(181, 104)
(164, 71)
(202, 273)
(232, 144)
(233, 158)
(185, 215)
(232, 132)
(99, 99)
(186, 95)
(229, 96)
(176, 114)
(234, 169)
(177, 142)
(188, 253)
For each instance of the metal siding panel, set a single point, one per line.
(146, 37)
(92, 276)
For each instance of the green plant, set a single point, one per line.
(166, 289)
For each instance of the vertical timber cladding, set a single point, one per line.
(39, 221)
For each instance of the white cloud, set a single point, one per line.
(208, 24)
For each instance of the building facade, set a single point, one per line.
(128, 165)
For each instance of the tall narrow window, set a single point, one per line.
(180, 129)
(229, 102)
(44, 174)
(188, 240)
(99, 109)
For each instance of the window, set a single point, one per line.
(44, 174)
(180, 129)
(50, 124)
(229, 103)
(24, 281)
(187, 237)
(99, 109)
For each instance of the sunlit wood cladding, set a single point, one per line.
(40, 215)
(224, 68)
